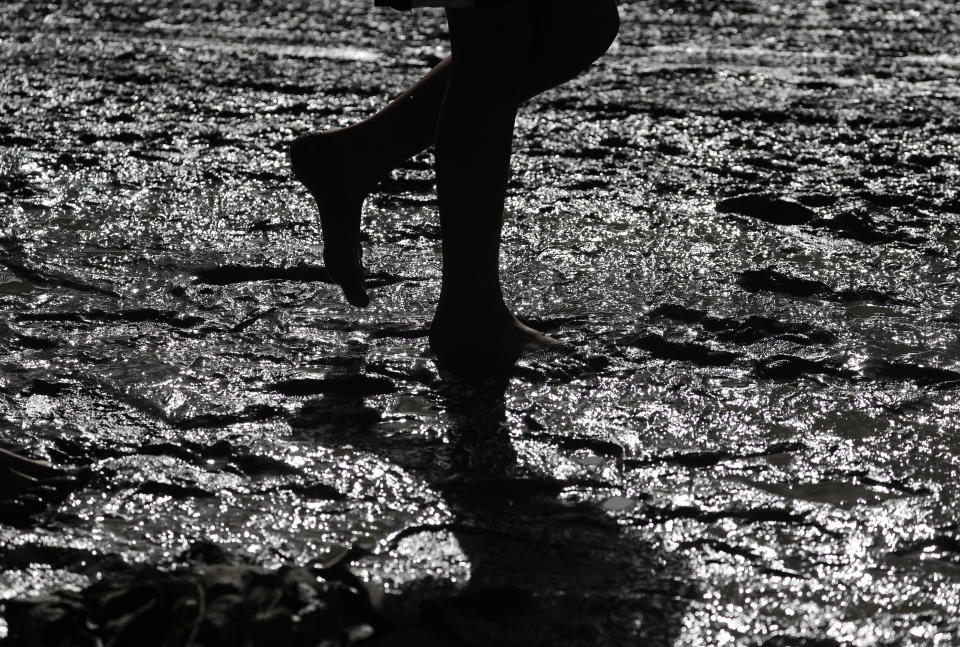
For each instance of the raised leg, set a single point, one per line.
(340, 168)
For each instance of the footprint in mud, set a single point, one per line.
(234, 458)
(870, 226)
(905, 371)
(869, 218)
(250, 413)
(818, 200)
(40, 386)
(791, 367)
(43, 276)
(951, 206)
(770, 280)
(753, 329)
(400, 331)
(401, 370)
(10, 137)
(660, 348)
(854, 225)
(563, 365)
(891, 484)
(174, 490)
(779, 211)
(230, 274)
(756, 328)
(889, 199)
(748, 515)
(12, 340)
(678, 312)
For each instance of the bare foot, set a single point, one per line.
(484, 341)
(320, 161)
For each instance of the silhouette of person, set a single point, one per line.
(503, 52)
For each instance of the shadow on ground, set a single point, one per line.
(543, 571)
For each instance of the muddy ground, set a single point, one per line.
(744, 218)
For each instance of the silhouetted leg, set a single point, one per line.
(474, 138)
(340, 168)
(566, 36)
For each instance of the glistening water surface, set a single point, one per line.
(744, 218)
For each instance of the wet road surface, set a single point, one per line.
(744, 219)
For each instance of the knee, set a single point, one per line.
(604, 26)
(585, 29)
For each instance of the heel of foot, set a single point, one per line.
(494, 346)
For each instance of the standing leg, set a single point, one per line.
(490, 53)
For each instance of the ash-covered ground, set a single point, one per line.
(745, 219)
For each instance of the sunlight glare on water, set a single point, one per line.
(739, 222)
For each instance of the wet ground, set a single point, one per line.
(744, 218)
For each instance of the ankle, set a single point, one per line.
(487, 339)
(472, 305)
